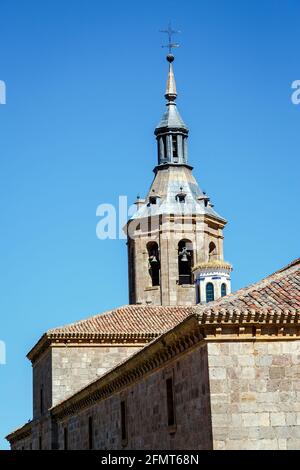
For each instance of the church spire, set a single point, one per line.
(171, 133)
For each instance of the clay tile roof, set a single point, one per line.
(129, 319)
(279, 292)
(132, 323)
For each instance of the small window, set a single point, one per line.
(40, 443)
(181, 198)
(170, 402)
(41, 400)
(223, 290)
(123, 422)
(210, 292)
(66, 443)
(152, 200)
(91, 433)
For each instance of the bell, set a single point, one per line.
(184, 257)
(153, 259)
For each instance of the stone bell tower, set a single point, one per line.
(175, 236)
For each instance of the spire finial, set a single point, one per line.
(171, 92)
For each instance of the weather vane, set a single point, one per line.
(170, 31)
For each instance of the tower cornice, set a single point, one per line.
(165, 166)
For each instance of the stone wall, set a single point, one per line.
(42, 380)
(22, 444)
(255, 394)
(74, 367)
(146, 405)
(186, 294)
(42, 433)
(63, 370)
(35, 435)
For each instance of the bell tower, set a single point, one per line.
(175, 238)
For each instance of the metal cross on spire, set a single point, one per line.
(170, 32)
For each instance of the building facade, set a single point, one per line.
(227, 376)
(188, 364)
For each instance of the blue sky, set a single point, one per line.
(85, 83)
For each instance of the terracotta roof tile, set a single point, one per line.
(129, 319)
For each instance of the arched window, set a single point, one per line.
(154, 264)
(185, 261)
(210, 292)
(223, 290)
(212, 251)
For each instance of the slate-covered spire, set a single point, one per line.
(171, 133)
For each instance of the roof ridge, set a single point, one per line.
(288, 266)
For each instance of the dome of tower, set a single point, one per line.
(171, 119)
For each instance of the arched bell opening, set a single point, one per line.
(185, 261)
(154, 263)
(172, 147)
(212, 251)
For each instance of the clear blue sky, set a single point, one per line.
(85, 83)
